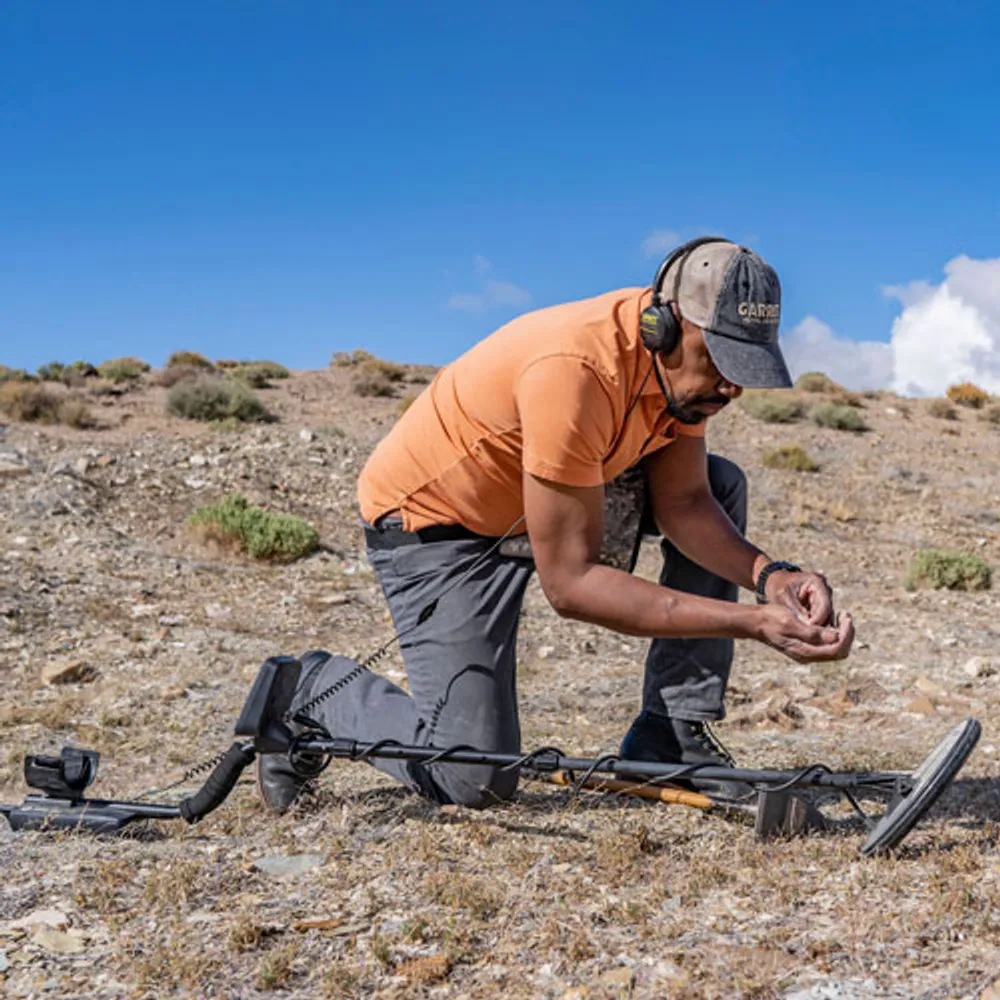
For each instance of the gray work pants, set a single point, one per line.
(461, 661)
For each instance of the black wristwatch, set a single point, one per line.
(772, 567)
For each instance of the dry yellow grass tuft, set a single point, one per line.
(968, 394)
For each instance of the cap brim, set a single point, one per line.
(747, 364)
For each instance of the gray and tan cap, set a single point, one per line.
(735, 297)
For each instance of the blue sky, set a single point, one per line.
(287, 179)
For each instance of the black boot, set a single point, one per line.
(665, 740)
(279, 783)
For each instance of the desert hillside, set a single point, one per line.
(124, 631)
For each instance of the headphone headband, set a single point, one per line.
(681, 253)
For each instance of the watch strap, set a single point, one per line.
(772, 567)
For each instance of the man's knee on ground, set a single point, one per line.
(478, 787)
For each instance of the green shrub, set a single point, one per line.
(948, 568)
(84, 368)
(15, 375)
(942, 409)
(258, 532)
(968, 394)
(269, 369)
(258, 374)
(52, 372)
(771, 407)
(32, 403)
(838, 417)
(190, 358)
(120, 370)
(790, 456)
(345, 359)
(816, 382)
(207, 398)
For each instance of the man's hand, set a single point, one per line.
(808, 595)
(785, 630)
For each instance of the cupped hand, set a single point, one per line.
(786, 630)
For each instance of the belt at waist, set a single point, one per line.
(389, 534)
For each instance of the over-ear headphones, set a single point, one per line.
(659, 328)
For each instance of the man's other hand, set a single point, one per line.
(807, 594)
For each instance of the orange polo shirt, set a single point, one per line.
(549, 393)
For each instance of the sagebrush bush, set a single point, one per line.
(942, 409)
(991, 414)
(258, 532)
(52, 372)
(33, 403)
(838, 417)
(208, 398)
(190, 358)
(968, 394)
(169, 377)
(345, 359)
(771, 407)
(269, 369)
(371, 382)
(248, 375)
(120, 370)
(790, 456)
(948, 568)
(258, 374)
(816, 382)
(227, 363)
(15, 375)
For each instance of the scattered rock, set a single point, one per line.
(920, 706)
(618, 978)
(105, 460)
(306, 435)
(10, 470)
(544, 652)
(68, 672)
(54, 919)
(81, 466)
(60, 942)
(981, 666)
(287, 865)
(4, 964)
(197, 461)
(931, 688)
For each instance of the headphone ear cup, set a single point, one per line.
(659, 329)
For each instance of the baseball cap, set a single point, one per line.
(735, 297)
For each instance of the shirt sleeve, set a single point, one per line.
(567, 420)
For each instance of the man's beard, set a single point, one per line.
(685, 412)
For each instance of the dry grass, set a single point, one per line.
(942, 409)
(790, 456)
(33, 403)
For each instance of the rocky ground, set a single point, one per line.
(118, 633)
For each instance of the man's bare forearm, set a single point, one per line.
(628, 604)
(703, 532)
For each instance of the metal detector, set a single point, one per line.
(265, 726)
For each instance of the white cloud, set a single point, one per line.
(659, 241)
(467, 302)
(506, 293)
(813, 346)
(492, 292)
(946, 333)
